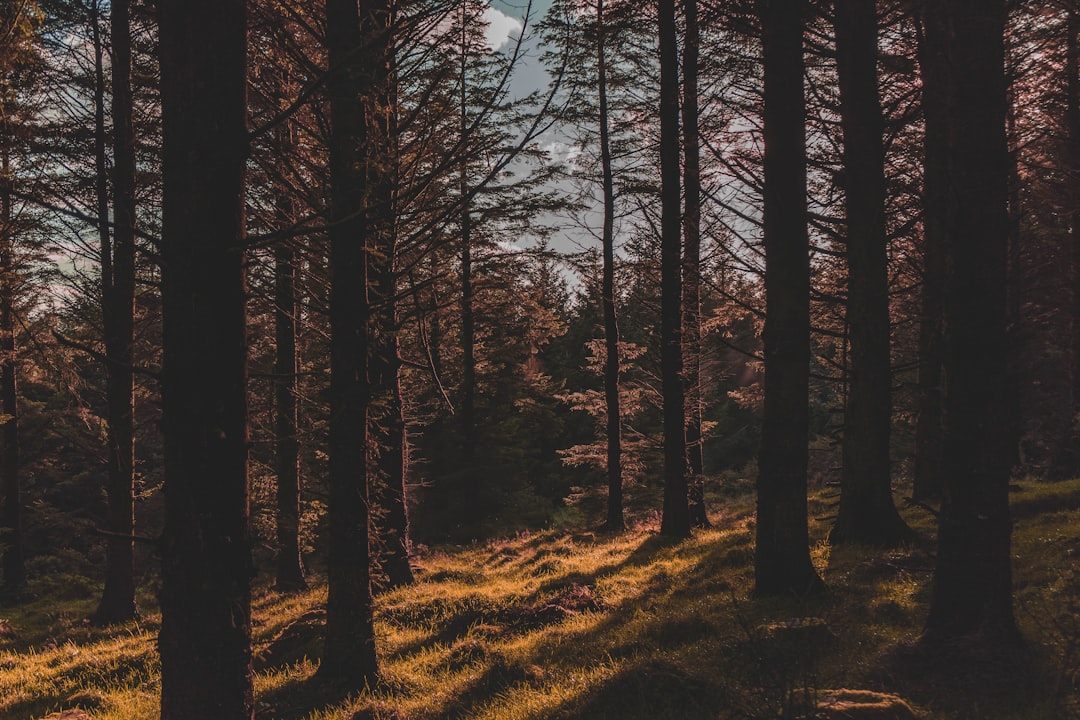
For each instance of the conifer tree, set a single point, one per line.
(205, 637)
(782, 560)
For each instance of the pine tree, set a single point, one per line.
(782, 560)
(867, 513)
(205, 637)
(676, 516)
(118, 316)
(972, 595)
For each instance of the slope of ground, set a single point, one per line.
(567, 625)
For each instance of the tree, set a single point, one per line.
(593, 34)
(17, 56)
(782, 560)
(289, 575)
(867, 512)
(692, 266)
(928, 478)
(118, 315)
(613, 426)
(467, 20)
(360, 57)
(14, 560)
(290, 565)
(389, 428)
(205, 638)
(676, 517)
(972, 594)
(1072, 123)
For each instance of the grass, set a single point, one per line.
(565, 625)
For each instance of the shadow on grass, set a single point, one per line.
(967, 677)
(655, 689)
(300, 697)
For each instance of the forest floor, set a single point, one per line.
(562, 624)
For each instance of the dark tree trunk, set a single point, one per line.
(467, 407)
(205, 638)
(972, 594)
(14, 559)
(118, 317)
(474, 505)
(392, 440)
(290, 564)
(782, 561)
(699, 516)
(1014, 291)
(393, 461)
(867, 513)
(359, 55)
(289, 576)
(435, 332)
(928, 479)
(1072, 113)
(615, 519)
(676, 518)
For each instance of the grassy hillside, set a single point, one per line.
(577, 625)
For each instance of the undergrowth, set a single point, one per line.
(568, 625)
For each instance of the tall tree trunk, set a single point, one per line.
(392, 443)
(972, 594)
(14, 559)
(475, 505)
(393, 462)
(290, 564)
(474, 502)
(205, 637)
(867, 513)
(435, 332)
(782, 561)
(699, 517)
(118, 317)
(676, 518)
(928, 479)
(1072, 117)
(359, 54)
(615, 519)
(1014, 290)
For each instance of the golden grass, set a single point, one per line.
(579, 625)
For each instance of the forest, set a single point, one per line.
(545, 359)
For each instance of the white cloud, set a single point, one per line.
(502, 29)
(562, 152)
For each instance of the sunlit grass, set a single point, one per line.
(581, 625)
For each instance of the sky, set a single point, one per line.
(506, 18)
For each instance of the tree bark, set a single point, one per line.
(118, 318)
(1072, 119)
(392, 441)
(290, 564)
(867, 513)
(393, 463)
(928, 479)
(289, 575)
(205, 637)
(972, 593)
(782, 560)
(699, 516)
(474, 504)
(359, 55)
(615, 518)
(468, 393)
(14, 563)
(676, 518)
